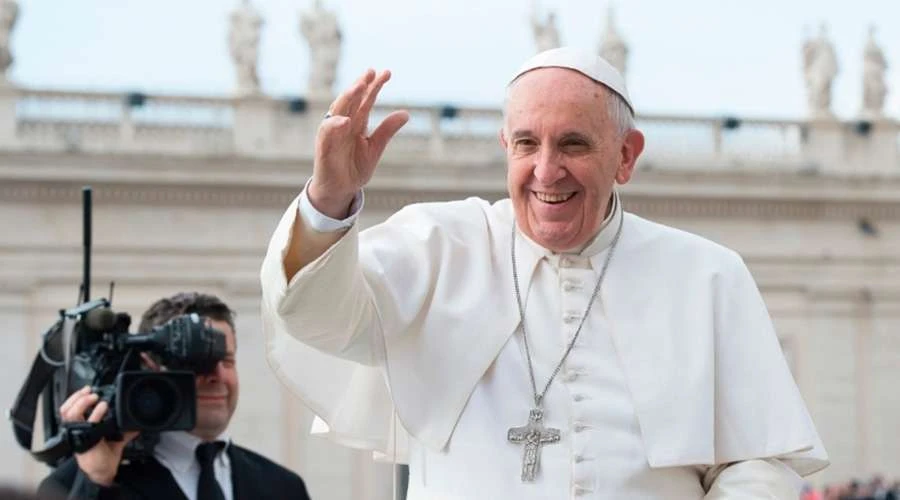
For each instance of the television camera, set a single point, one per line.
(90, 345)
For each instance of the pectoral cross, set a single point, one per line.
(534, 435)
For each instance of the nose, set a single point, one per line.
(548, 167)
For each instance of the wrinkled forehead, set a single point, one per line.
(556, 91)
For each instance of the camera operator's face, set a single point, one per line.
(217, 392)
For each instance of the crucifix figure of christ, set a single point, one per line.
(534, 435)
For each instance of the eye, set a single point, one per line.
(525, 144)
(574, 144)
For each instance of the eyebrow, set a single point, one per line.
(565, 136)
(575, 135)
(521, 133)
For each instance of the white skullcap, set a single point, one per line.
(590, 65)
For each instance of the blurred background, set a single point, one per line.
(771, 128)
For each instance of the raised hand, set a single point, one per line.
(346, 155)
(101, 462)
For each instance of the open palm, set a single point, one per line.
(346, 155)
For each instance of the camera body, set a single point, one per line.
(104, 355)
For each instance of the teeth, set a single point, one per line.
(553, 198)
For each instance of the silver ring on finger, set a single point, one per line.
(327, 115)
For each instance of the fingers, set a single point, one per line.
(359, 94)
(75, 407)
(362, 119)
(75, 396)
(357, 102)
(98, 412)
(346, 103)
(386, 130)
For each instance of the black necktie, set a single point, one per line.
(208, 488)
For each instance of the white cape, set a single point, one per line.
(421, 305)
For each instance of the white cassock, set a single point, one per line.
(404, 339)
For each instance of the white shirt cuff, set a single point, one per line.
(323, 223)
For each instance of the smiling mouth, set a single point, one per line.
(553, 198)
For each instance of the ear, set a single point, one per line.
(502, 137)
(632, 147)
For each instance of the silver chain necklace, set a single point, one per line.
(534, 434)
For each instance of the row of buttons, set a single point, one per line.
(570, 285)
(580, 489)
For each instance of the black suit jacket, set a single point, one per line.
(253, 477)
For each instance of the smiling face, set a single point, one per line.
(564, 154)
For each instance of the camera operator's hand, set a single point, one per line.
(101, 462)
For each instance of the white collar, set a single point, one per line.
(593, 248)
(176, 449)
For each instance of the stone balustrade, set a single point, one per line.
(265, 127)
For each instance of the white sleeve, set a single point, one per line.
(323, 223)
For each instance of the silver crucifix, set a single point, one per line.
(534, 435)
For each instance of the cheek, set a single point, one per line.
(232, 379)
(518, 174)
(597, 174)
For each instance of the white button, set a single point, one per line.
(578, 397)
(570, 285)
(565, 262)
(579, 459)
(571, 318)
(580, 427)
(571, 375)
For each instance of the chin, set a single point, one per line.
(212, 424)
(556, 239)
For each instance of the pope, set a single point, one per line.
(548, 345)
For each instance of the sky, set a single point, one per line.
(695, 57)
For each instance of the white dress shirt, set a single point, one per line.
(175, 451)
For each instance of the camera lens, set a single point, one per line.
(152, 402)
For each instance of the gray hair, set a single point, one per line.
(619, 112)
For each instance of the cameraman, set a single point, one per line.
(176, 470)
